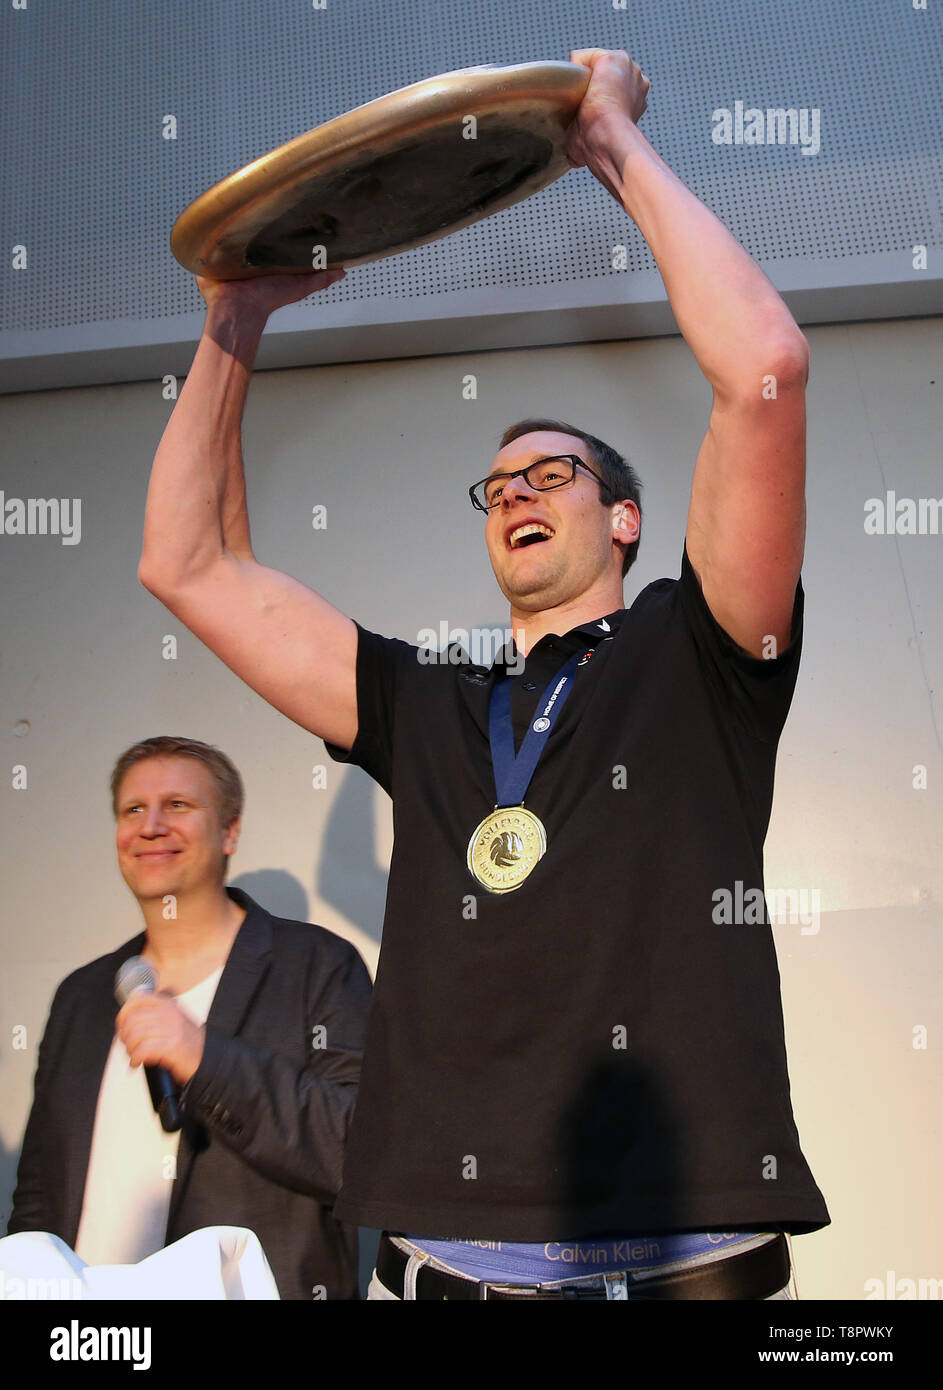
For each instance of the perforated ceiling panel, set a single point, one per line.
(91, 187)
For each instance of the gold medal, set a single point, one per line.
(504, 848)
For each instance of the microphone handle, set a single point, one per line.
(164, 1098)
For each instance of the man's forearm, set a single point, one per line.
(728, 311)
(196, 502)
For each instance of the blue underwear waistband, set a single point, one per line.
(514, 1263)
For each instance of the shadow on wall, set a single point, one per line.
(348, 873)
(350, 876)
(277, 891)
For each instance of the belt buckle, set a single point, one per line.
(505, 1288)
(584, 1288)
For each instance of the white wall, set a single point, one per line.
(390, 449)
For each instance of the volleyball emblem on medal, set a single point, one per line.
(505, 847)
(506, 850)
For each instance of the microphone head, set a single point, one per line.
(133, 975)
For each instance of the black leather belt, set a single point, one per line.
(753, 1274)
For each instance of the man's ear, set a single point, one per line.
(626, 522)
(231, 836)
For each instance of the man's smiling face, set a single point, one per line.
(575, 546)
(169, 835)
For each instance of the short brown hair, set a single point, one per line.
(622, 481)
(229, 790)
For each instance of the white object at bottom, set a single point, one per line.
(217, 1263)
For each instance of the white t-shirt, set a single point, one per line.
(133, 1161)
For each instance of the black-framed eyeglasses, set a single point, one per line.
(541, 475)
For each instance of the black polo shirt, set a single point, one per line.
(591, 1052)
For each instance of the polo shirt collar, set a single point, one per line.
(588, 634)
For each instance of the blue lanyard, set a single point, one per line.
(513, 772)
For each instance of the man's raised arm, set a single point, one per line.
(283, 639)
(746, 524)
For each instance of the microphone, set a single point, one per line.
(133, 977)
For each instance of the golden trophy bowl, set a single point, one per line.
(395, 173)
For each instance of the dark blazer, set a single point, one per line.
(266, 1113)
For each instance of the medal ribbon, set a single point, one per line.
(513, 771)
